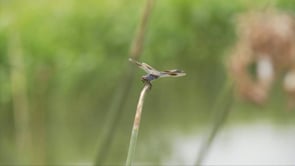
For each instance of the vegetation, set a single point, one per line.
(61, 62)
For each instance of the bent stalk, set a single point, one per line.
(132, 145)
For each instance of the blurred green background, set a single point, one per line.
(61, 63)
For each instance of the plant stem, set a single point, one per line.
(136, 124)
(21, 111)
(124, 87)
(137, 42)
(221, 108)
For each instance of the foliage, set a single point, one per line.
(74, 51)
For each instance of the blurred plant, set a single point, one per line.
(221, 109)
(23, 132)
(266, 39)
(124, 87)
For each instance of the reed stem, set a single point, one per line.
(136, 124)
(123, 90)
(221, 109)
(21, 111)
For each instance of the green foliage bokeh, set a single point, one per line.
(75, 51)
